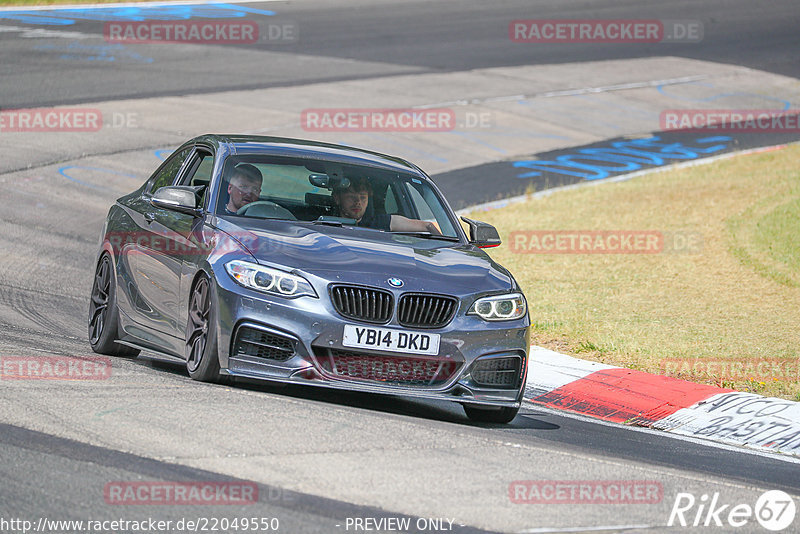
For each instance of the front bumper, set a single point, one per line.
(312, 328)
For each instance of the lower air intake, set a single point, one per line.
(497, 372)
(260, 344)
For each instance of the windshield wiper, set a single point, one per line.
(334, 221)
(429, 235)
(266, 218)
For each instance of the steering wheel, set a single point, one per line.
(267, 209)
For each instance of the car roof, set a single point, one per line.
(284, 146)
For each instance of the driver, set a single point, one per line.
(244, 187)
(353, 200)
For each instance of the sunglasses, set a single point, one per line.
(248, 189)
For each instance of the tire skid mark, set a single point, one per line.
(16, 299)
(18, 340)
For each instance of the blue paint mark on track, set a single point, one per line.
(622, 157)
(63, 171)
(71, 15)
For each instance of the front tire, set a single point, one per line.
(202, 355)
(486, 415)
(103, 313)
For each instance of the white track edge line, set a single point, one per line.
(774, 455)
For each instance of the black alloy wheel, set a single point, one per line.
(202, 358)
(103, 313)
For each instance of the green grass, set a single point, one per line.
(767, 238)
(736, 299)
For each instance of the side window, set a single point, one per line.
(429, 208)
(168, 172)
(422, 207)
(391, 201)
(200, 169)
(199, 172)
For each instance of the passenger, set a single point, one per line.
(353, 200)
(244, 187)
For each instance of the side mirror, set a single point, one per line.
(482, 234)
(182, 198)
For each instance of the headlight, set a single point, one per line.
(499, 307)
(268, 280)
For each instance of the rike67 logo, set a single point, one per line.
(774, 510)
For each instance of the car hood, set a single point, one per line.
(360, 255)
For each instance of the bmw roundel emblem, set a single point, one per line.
(395, 282)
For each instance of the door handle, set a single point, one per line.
(149, 217)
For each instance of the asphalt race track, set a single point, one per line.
(357, 39)
(319, 459)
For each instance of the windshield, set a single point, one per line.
(271, 187)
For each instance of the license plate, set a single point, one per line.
(389, 339)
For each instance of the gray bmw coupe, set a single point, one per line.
(295, 261)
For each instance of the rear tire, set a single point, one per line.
(103, 313)
(491, 415)
(202, 356)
